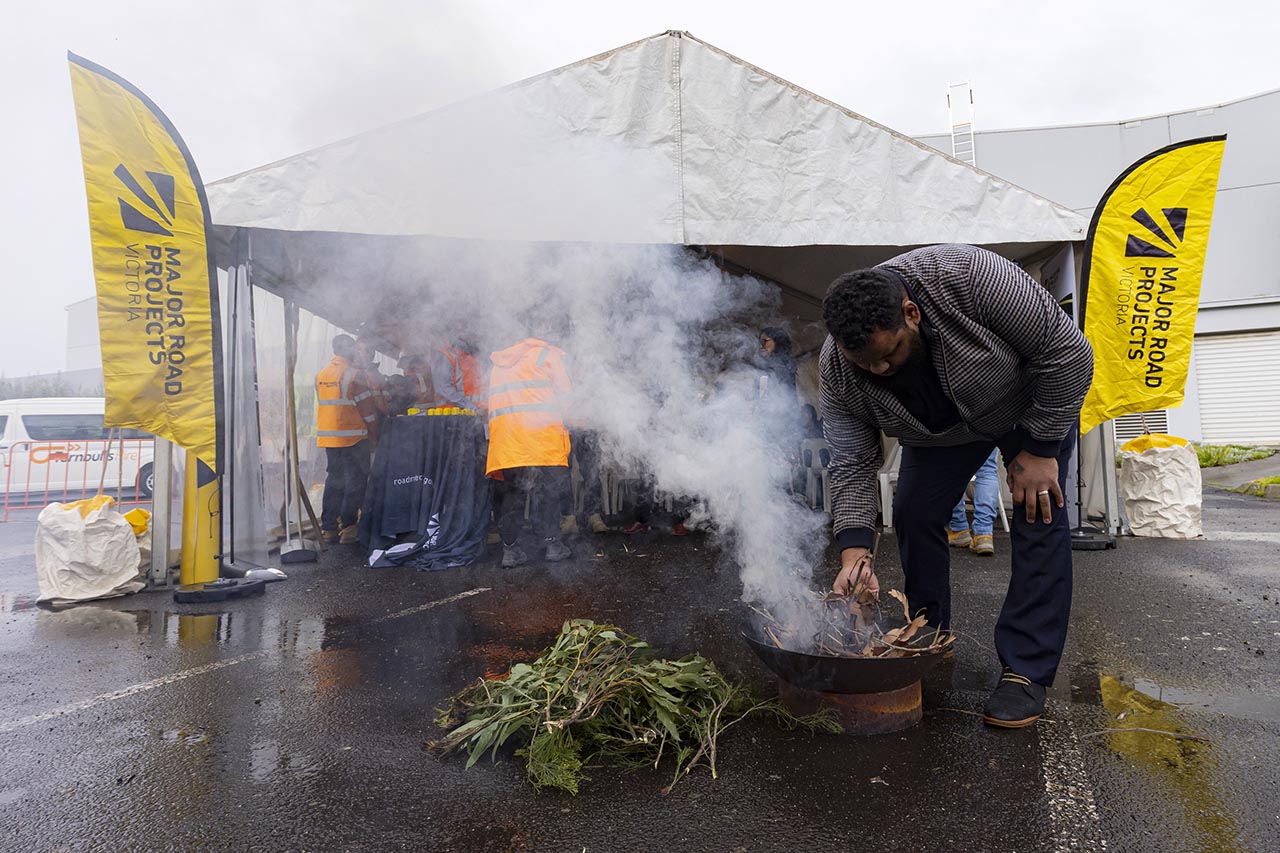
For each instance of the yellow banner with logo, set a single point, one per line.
(1143, 264)
(148, 221)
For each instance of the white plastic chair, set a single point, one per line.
(815, 459)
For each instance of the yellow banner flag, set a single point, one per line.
(148, 221)
(1143, 264)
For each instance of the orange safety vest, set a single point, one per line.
(378, 385)
(527, 391)
(426, 393)
(338, 419)
(466, 373)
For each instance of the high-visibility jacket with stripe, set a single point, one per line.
(528, 390)
(425, 393)
(345, 409)
(377, 383)
(463, 375)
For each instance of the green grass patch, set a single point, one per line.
(1258, 488)
(1214, 455)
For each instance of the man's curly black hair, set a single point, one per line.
(859, 304)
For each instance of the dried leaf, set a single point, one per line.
(901, 599)
(910, 631)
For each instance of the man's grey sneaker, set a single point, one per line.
(556, 551)
(1016, 702)
(512, 556)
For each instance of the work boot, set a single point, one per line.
(556, 551)
(958, 538)
(678, 529)
(1016, 702)
(635, 527)
(983, 545)
(512, 556)
(329, 537)
(568, 525)
(596, 524)
(350, 535)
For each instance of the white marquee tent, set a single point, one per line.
(668, 140)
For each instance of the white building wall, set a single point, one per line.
(1074, 165)
(84, 351)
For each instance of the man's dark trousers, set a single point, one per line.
(587, 453)
(344, 485)
(1032, 627)
(543, 487)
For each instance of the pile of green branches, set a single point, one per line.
(598, 694)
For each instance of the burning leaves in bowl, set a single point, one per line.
(851, 626)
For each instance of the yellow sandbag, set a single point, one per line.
(88, 505)
(1151, 440)
(139, 519)
(1160, 487)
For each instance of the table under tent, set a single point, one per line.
(665, 145)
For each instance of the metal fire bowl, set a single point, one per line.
(827, 674)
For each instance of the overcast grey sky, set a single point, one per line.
(250, 81)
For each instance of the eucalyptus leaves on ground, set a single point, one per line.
(598, 694)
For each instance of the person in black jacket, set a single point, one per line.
(954, 351)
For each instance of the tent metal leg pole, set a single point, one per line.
(1111, 513)
(161, 506)
(1084, 536)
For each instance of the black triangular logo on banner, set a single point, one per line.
(136, 220)
(1177, 217)
(1144, 219)
(164, 185)
(1140, 247)
(1136, 247)
(133, 218)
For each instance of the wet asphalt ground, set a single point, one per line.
(297, 721)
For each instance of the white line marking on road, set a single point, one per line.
(1241, 536)
(1074, 819)
(431, 604)
(14, 725)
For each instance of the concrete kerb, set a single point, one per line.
(1236, 477)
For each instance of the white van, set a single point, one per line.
(57, 445)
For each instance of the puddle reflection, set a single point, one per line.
(17, 602)
(1146, 735)
(269, 760)
(292, 637)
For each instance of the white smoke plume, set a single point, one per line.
(661, 341)
(662, 347)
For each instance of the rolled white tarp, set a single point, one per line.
(1160, 486)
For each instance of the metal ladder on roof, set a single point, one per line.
(960, 114)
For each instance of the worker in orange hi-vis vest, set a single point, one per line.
(455, 377)
(345, 412)
(529, 446)
(367, 364)
(414, 366)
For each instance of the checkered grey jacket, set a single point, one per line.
(1007, 356)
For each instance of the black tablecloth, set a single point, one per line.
(427, 480)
